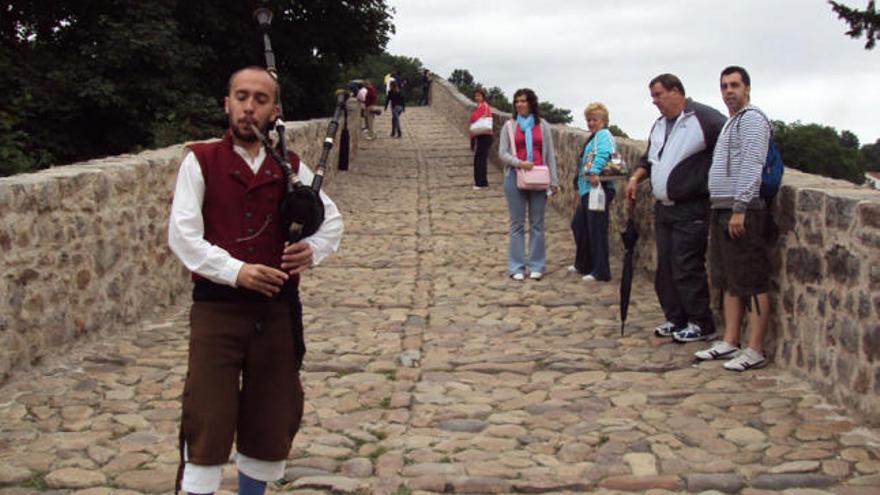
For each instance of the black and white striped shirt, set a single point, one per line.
(740, 154)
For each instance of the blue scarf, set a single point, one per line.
(526, 124)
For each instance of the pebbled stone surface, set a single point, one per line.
(429, 369)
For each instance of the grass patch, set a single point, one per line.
(404, 489)
(37, 482)
(377, 453)
(386, 403)
(603, 439)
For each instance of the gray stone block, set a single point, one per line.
(724, 482)
(792, 480)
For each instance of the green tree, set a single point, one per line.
(849, 140)
(553, 114)
(861, 22)
(110, 76)
(464, 81)
(819, 149)
(870, 156)
(499, 100)
(617, 131)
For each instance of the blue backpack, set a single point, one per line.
(771, 172)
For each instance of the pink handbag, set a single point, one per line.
(536, 179)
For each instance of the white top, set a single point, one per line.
(186, 227)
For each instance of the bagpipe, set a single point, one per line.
(302, 211)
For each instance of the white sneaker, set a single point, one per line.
(572, 269)
(665, 330)
(720, 350)
(536, 275)
(480, 188)
(519, 277)
(588, 278)
(746, 360)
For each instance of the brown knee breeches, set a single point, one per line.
(243, 381)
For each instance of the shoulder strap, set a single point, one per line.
(512, 133)
(759, 112)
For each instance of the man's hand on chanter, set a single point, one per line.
(296, 257)
(261, 278)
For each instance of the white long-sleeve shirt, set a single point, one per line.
(186, 227)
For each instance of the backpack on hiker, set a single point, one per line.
(773, 169)
(771, 172)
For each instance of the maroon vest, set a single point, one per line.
(241, 209)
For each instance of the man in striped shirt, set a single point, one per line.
(738, 259)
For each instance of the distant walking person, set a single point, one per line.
(590, 228)
(368, 97)
(426, 88)
(395, 100)
(677, 160)
(532, 145)
(739, 224)
(481, 138)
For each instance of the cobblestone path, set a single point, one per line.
(429, 370)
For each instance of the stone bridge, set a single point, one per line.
(428, 369)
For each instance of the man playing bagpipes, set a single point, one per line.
(246, 336)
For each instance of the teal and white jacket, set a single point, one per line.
(599, 147)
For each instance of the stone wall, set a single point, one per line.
(84, 246)
(826, 279)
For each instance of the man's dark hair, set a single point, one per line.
(257, 68)
(532, 100)
(669, 82)
(735, 69)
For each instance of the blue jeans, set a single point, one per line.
(395, 120)
(517, 200)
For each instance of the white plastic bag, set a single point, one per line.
(597, 199)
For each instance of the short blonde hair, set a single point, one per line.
(598, 109)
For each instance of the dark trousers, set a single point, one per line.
(481, 157)
(590, 229)
(681, 282)
(395, 120)
(242, 381)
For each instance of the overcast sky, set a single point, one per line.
(573, 52)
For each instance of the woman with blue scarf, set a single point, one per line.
(590, 228)
(533, 145)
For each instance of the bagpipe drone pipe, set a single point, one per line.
(302, 211)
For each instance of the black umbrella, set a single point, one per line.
(629, 236)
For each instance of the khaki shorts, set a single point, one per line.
(740, 266)
(243, 381)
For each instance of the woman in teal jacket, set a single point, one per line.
(590, 228)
